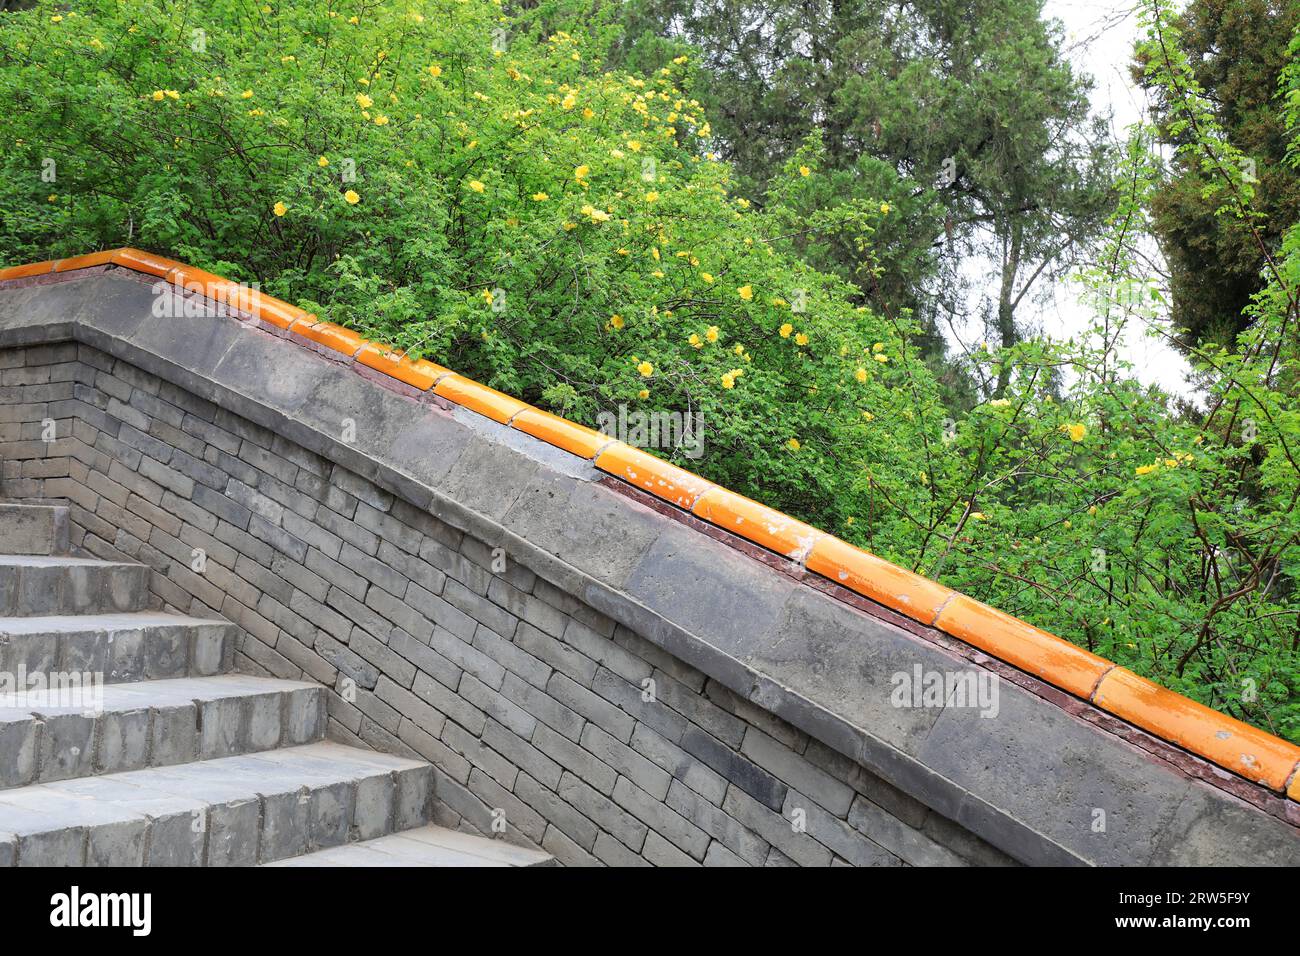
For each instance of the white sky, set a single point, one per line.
(1099, 38)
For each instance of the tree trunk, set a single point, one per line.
(1006, 311)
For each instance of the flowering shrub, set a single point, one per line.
(439, 177)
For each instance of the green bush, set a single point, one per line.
(441, 179)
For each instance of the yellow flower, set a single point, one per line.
(878, 347)
(867, 416)
(322, 162)
(1067, 524)
(364, 101)
(728, 380)
(352, 197)
(801, 339)
(634, 145)
(651, 196)
(1000, 402)
(158, 95)
(746, 292)
(643, 394)
(860, 374)
(884, 207)
(52, 197)
(805, 171)
(616, 321)
(56, 19)
(881, 358)
(246, 95)
(280, 209)
(172, 94)
(570, 101)
(712, 333)
(581, 172)
(646, 369)
(540, 197)
(1076, 432)
(487, 296)
(707, 277)
(793, 444)
(381, 120)
(594, 214)
(739, 349)
(1146, 469)
(435, 70)
(785, 330)
(477, 186)
(695, 340)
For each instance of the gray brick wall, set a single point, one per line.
(583, 737)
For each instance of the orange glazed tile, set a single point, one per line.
(888, 584)
(85, 262)
(30, 269)
(1235, 746)
(203, 283)
(560, 432)
(1293, 791)
(758, 523)
(396, 365)
(497, 406)
(145, 262)
(433, 368)
(663, 480)
(280, 314)
(1012, 640)
(331, 336)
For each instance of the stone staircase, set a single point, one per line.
(177, 761)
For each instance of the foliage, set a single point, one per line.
(1237, 50)
(558, 229)
(964, 116)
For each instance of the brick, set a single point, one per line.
(577, 828)
(799, 773)
(592, 706)
(575, 759)
(661, 819)
(660, 852)
(542, 706)
(680, 765)
(641, 771)
(555, 654)
(611, 818)
(742, 773)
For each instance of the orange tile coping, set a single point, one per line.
(663, 480)
(1035, 651)
(1236, 746)
(1247, 751)
(497, 406)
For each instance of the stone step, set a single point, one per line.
(425, 846)
(33, 529)
(33, 585)
(122, 647)
(60, 735)
(229, 811)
